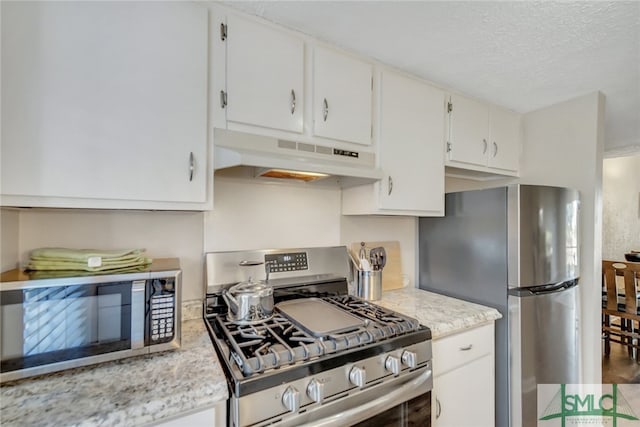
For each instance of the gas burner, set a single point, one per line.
(278, 342)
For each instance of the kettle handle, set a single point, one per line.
(230, 299)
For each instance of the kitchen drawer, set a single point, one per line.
(456, 350)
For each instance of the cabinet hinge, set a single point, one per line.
(448, 147)
(223, 99)
(449, 107)
(223, 31)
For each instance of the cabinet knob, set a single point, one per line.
(293, 101)
(325, 109)
(291, 399)
(191, 166)
(484, 149)
(357, 376)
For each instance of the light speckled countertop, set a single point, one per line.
(443, 315)
(127, 392)
(146, 389)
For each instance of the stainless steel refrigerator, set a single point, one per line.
(514, 248)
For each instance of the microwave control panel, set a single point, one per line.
(161, 311)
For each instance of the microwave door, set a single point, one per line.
(60, 324)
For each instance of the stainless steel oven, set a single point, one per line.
(324, 357)
(53, 323)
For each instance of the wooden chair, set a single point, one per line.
(624, 306)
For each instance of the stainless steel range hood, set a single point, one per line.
(278, 158)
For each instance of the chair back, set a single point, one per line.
(631, 273)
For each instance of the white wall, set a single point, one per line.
(563, 146)
(9, 227)
(162, 234)
(258, 214)
(621, 206)
(261, 214)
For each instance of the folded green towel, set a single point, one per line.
(50, 274)
(83, 254)
(69, 265)
(92, 260)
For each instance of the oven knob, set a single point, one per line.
(409, 358)
(315, 390)
(392, 364)
(291, 399)
(357, 376)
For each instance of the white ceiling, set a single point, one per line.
(521, 55)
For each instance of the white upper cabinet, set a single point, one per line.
(264, 76)
(411, 135)
(342, 92)
(504, 141)
(104, 104)
(469, 129)
(482, 137)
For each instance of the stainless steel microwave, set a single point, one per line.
(53, 323)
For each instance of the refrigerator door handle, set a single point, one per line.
(544, 289)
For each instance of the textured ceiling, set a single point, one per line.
(521, 55)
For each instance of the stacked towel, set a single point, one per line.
(92, 260)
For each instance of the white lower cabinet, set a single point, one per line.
(210, 417)
(464, 379)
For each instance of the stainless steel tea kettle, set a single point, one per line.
(251, 301)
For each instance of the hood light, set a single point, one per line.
(291, 174)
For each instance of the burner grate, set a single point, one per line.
(277, 342)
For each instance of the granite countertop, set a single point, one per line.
(443, 315)
(134, 391)
(147, 389)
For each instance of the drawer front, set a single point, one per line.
(456, 350)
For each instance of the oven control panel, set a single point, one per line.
(312, 398)
(292, 261)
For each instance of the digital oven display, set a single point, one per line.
(293, 261)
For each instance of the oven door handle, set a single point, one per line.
(402, 394)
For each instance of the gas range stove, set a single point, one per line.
(323, 353)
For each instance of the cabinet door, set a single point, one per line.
(209, 417)
(504, 147)
(104, 100)
(468, 131)
(342, 88)
(412, 122)
(464, 397)
(265, 75)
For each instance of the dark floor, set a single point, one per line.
(619, 368)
